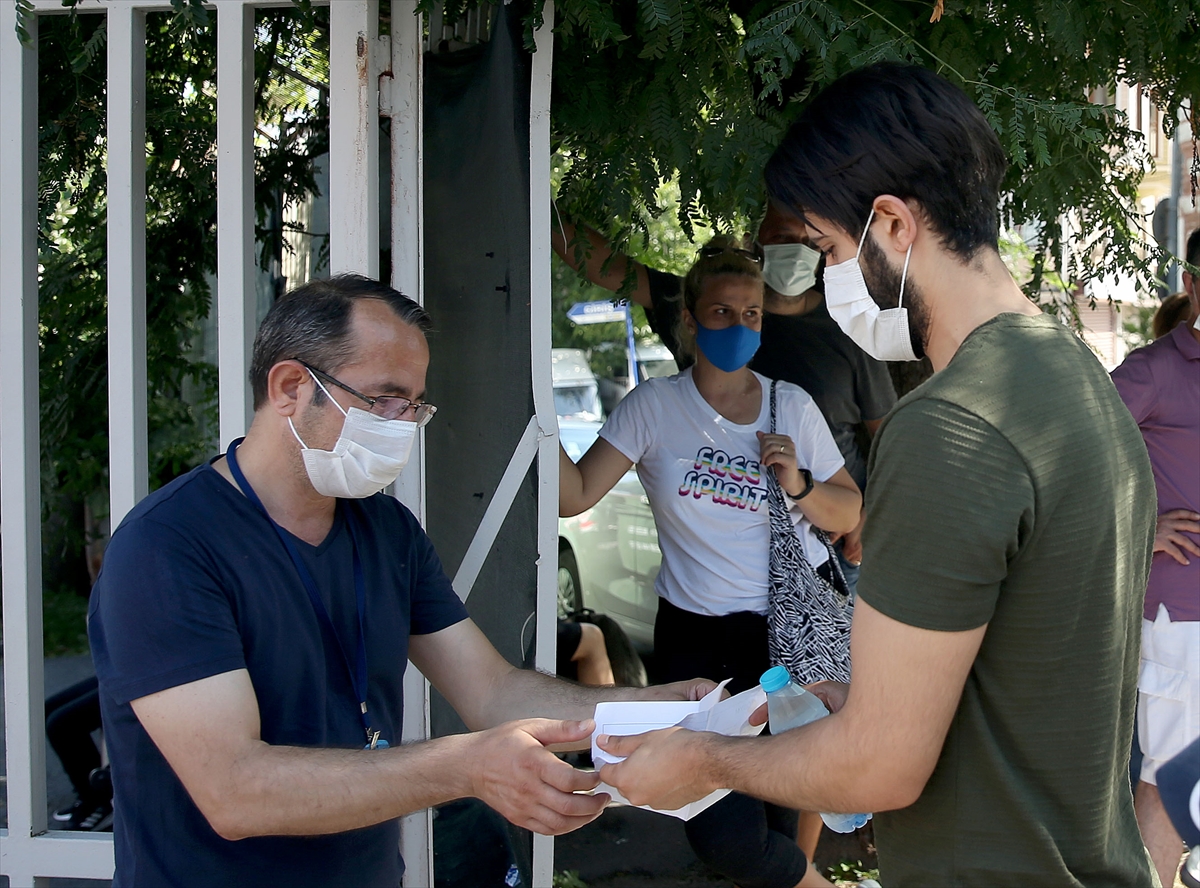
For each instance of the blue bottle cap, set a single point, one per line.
(774, 679)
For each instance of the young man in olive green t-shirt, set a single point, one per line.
(1010, 518)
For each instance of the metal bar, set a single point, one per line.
(63, 855)
(416, 829)
(497, 510)
(236, 297)
(407, 196)
(20, 496)
(55, 7)
(127, 445)
(354, 137)
(631, 347)
(435, 28)
(405, 106)
(1175, 232)
(543, 384)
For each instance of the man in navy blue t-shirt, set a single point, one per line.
(254, 618)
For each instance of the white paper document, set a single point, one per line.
(729, 717)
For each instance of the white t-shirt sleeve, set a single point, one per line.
(634, 423)
(815, 448)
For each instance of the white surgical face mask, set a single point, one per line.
(881, 333)
(789, 269)
(369, 454)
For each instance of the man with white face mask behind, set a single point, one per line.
(1010, 517)
(254, 618)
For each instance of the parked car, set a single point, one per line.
(608, 556)
(576, 390)
(655, 360)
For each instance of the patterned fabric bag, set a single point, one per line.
(808, 624)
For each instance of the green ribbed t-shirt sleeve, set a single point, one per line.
(948, 503)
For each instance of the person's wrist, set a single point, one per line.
(468, 757)
(806, 482)
(704, 759)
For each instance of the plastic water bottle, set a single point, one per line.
(845, 823)
(790, 706)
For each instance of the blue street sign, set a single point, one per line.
(604, 312)
(600, 312)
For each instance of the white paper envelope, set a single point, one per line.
(729, 717)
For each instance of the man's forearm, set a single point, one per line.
(824, 766)
(781, 769)
(525, 693)
(287, 790)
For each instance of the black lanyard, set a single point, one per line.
(358, 672)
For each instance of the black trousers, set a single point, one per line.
(71, 716)
(749, 842)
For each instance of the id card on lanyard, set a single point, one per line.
(357, 669)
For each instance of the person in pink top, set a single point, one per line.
(1160, 384)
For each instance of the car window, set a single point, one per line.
(577, 440)
(657, 369)
(580, 402)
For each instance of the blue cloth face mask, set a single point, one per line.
(729, 348)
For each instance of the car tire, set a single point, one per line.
(570, 592)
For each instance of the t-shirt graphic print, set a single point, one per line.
(726, 480)
(707, 490)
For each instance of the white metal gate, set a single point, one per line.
(370, 76)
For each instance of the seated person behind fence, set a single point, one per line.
(582, 655)
(71, 717)
(704, 443)
(254, 618)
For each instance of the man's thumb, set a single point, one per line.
(619, 746)
(550, 731)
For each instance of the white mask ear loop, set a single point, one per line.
(904, 276)
(296, 434)
(326, 391)
(866, 228)
(329, 396)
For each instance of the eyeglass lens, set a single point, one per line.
(395, 408)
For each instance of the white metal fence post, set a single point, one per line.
(408, 244)
(354, 137)
(404, 107)
(543, 391)
(20, 497)
(236, 297)
(128, 477)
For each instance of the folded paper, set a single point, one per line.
(730, 717)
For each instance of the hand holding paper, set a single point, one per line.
(656, 775)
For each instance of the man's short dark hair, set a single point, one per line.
(312, 324)
(1192, 254)
(894, 129)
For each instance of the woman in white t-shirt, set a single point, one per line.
(701, 441)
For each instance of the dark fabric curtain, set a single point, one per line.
(477, 283)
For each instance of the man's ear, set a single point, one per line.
(898, 226)
(286, 382)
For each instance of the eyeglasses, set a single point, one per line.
(386, 406)
(753, 255)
